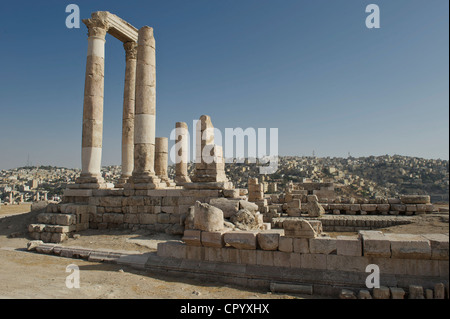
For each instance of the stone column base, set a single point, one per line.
(122, 181)
(167, 181)
(90, 182)
(181, 180)
(144, 182)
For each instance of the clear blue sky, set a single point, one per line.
(310, 68)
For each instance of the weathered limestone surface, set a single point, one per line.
(209, 161)
(397, 293)
(409, 246)
(143, 176)
(92, 133)
(375, 244)
(322, 245)
(416, 292)
(439, 245)
(269, 240)
(415, 199)
(241, 239)
(192, 237)
(246, 220)
(181, 153)
(299, 228)
(229, 206)
(213, 239)
(128, 112)
(207, 217)
(349, 246)
(161, 160)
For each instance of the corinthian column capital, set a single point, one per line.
(97, 26)
(130, 50)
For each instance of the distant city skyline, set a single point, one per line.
(311, 69)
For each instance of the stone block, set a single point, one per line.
(268, 240)
(398, 207)
(264, 258)
(375, 244)
(231, 193)
(228, 206)
(285, 244)
(110, 201)
(281, 259)
(131, 218)
(241, 239)
(313, 261)
(415, 199)
(195, 252)
(439, 245)
(394, 201)
(252, 207)
(429, 294)
(439, 291)
(369, 207)
(163, 218)
(192, 237)
(383, 207)
(364, 294)
(301, 245)
(415, 292)
(349, 246)
(298, 228)
(231, 255)
(422, 267)
(147, 219)
(213, 254)
(347, 294)
(248, 256)
(291, 288)
(322, 245)
(296, 261)
(207, 217)
(409, 246)
(347, 263)
(381, 293)
(59, 237)
(213, 239)
(171, 249)
(397, 293)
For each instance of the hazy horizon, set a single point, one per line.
(340, 157)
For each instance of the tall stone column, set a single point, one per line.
(91, 151)
(181, 153)
(143, 176)
(128, 113)
(161, 160)
(209, 161)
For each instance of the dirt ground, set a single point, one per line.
(25, 274)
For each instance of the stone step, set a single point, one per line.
(50, 233)
(57, 219)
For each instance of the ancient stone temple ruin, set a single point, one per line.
(144, 197)
(227, 236)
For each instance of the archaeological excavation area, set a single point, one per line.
(303, 241)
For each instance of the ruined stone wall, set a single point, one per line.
(160, 210)
(289, 255)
